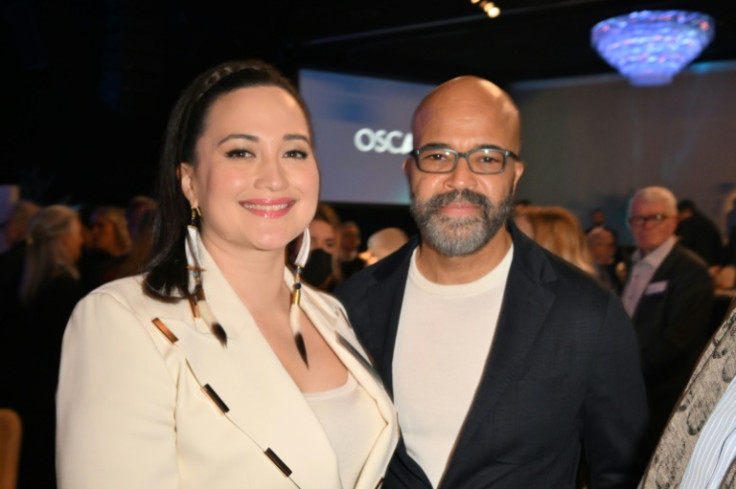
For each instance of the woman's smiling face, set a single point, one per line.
(256, 179)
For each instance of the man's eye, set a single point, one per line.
(296, 153)
(488, 159)
(238, 153)
(439, 156)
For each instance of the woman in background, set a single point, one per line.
(218, 368)
(557, 230)
(49, 290)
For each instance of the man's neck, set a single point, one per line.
(667, 244)
(451, 270)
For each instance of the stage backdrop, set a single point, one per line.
(587, 142)
(362, 128)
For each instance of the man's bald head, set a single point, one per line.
(460, 211)
(464, 99)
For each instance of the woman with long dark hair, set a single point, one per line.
(217, 367)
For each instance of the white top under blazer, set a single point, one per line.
(148, 397)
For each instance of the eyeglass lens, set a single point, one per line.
(483, 160)
(641, 220)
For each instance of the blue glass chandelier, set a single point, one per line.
(651, 46)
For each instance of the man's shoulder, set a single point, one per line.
(572, 281)
(682, 258)
(550, 270)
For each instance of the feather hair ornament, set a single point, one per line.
(197, 292)
(294, 311)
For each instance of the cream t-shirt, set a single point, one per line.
(443, 342)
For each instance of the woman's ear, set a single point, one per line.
(185, 172)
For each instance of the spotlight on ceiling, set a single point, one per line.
(651, 46)
(488, 7)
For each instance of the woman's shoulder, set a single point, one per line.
(129, 288)
(129, 293)
(123, 302)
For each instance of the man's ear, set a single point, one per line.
(518, 171)
(185, 172)
(406, 167)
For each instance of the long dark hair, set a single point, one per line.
(167, 277)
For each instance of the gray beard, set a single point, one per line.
(459, 236)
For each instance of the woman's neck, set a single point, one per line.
(256, 276)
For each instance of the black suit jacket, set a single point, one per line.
(672, 323)
(563, 374)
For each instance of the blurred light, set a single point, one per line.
(651, 46)
(488, 7)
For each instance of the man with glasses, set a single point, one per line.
(506, 364)
(669, 296)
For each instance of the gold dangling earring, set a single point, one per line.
(195, 215)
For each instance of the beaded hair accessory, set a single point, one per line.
(196, 295)
(294, 311)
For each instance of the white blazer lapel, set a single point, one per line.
(252, 389)
(330, 320)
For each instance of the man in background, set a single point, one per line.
(669, 296)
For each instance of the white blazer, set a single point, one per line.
(148, 398)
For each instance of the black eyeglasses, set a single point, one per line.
(639, 221)
(484, 161)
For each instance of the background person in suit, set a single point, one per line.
(505, 362)
(669, 296)
(217, 368)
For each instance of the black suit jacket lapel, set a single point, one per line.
(523, 312)
(663, 271)
(384, 298)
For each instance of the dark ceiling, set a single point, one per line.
(437, 39)
(110, 69)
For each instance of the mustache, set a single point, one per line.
(465, 195)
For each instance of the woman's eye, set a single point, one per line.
(238, 153)
(296, 153)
